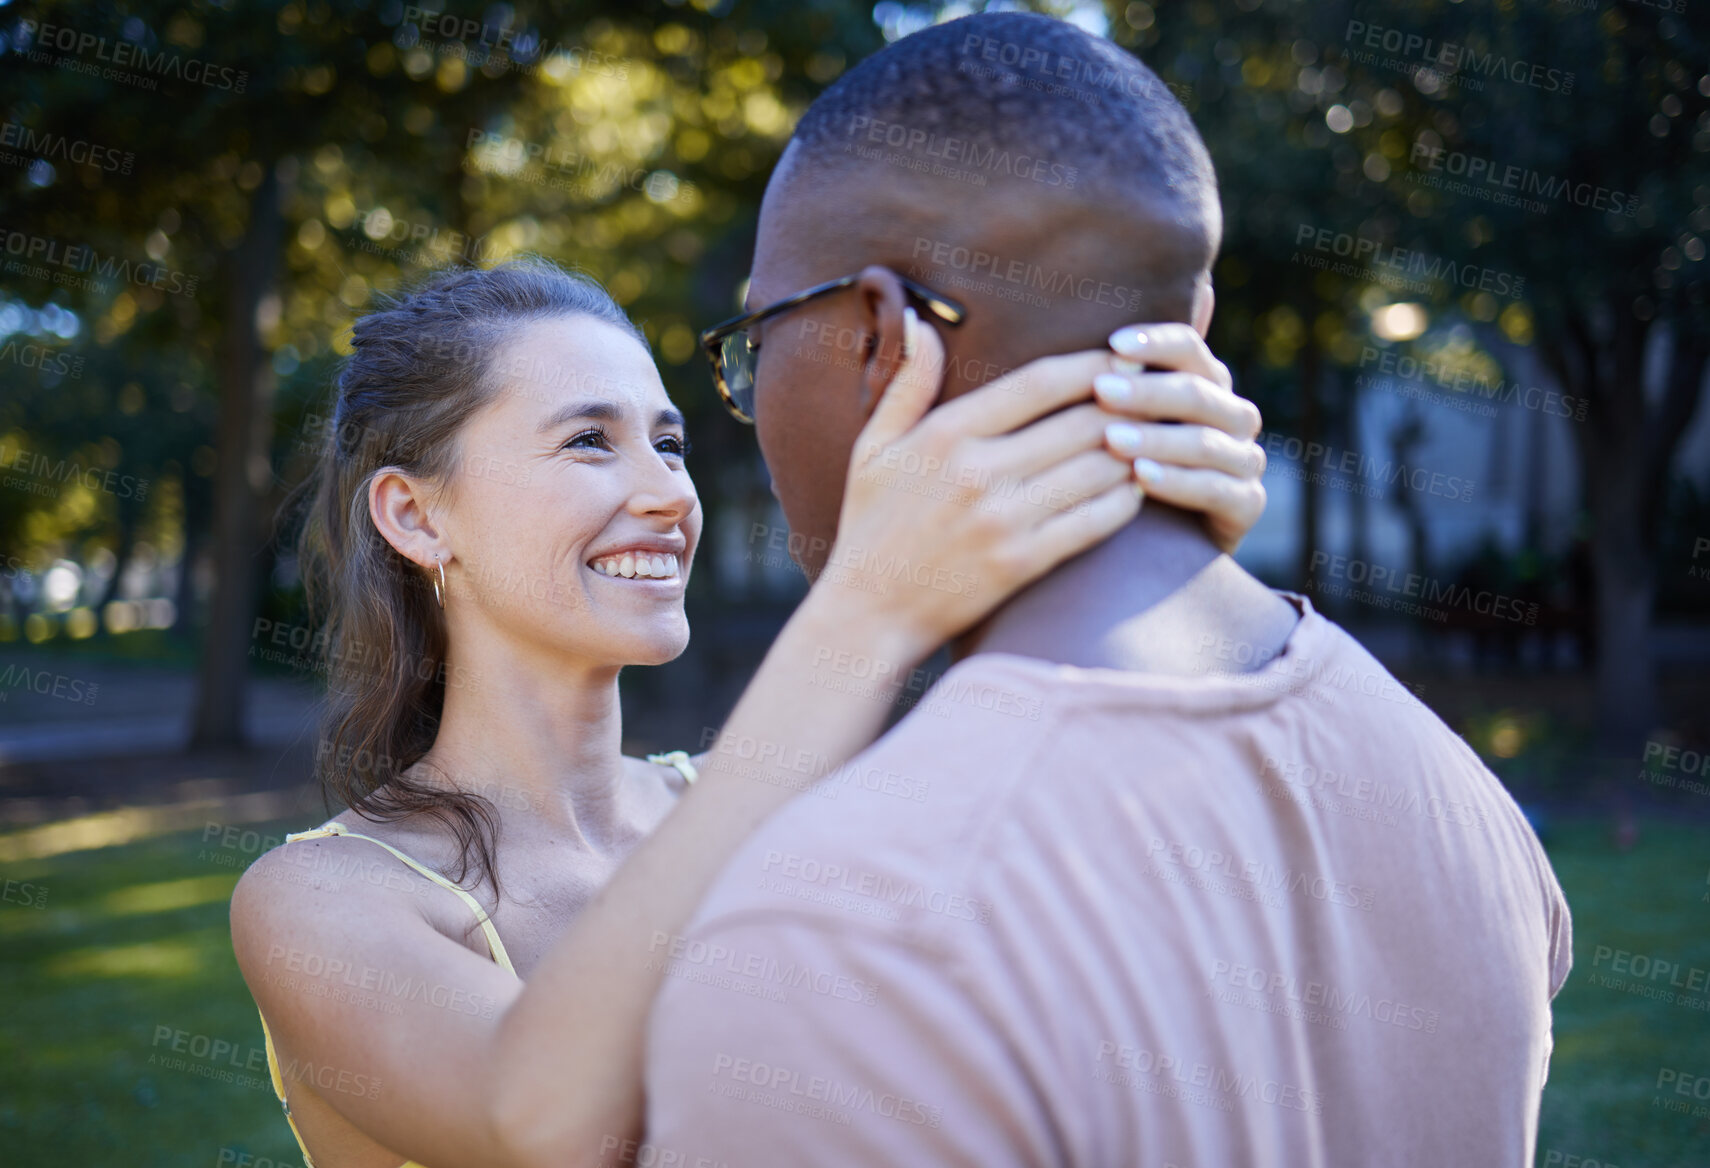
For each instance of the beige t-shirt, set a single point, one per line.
(1070, 916)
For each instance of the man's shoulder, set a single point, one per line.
(886, 835)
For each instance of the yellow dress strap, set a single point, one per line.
(279, 1090)
(495, 946)
(680, 760)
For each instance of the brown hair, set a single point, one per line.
(421, 366)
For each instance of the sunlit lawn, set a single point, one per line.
(133, 939)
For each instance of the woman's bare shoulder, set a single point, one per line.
(320, 886)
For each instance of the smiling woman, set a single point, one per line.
(410, 412)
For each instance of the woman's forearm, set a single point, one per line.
(569, 1057)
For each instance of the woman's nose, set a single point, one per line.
(664, 491)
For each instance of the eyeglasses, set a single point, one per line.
(734, 353)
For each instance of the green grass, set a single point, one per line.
(131, 939)
(1610, 1044)
(134, 938)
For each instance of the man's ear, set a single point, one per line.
(882, 300)
(1204, 303)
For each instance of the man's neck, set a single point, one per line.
(1157, 597)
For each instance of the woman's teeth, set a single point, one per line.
(633, 564)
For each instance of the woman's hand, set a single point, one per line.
(948, 512)
(1195, 450)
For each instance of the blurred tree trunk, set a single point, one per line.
(1626, 446)
(243, 473)
(198, 515)
(129, 517)
(1405, 437)
(1359, 523)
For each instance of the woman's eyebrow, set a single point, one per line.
(668, 417)
(603, 411)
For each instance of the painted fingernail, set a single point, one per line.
(1124, 438)
(910, 323)
(1124, 365)
(1113, 388)
(1130, 342)
(1147, 471)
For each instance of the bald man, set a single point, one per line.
(1166, 869)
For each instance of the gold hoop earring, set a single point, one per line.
(439, 584)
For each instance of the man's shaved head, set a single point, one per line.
(1019, 116)
(1038, 174)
